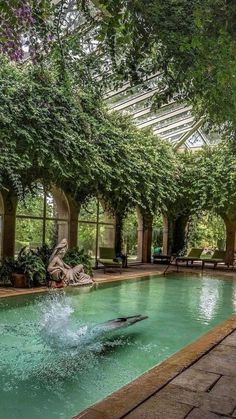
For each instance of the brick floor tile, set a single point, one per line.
(224, 350)
(196, 380)
(206, 401)
(217, 364)
(180, 394)
(226, 386)
(220, 405)
(203, 414)
(234, 414)
(230, 340)
(156, 408)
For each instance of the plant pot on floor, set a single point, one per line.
(18, 280)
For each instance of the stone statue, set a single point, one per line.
(63, 274)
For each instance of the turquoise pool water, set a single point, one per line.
(52, 366)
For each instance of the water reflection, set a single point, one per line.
(211, 291)
(43, 380)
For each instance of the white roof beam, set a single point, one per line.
(129, 102)
(188, 134)
(126, 86)
(137, 114)
(173, 134)
(112, 93)
(203, 135)
(164, 117)
(175, 125)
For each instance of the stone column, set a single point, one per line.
(140, 236)
(74, 209)
(180, 233)
(9, 223)
(118, 233)
(147, 238)
(109, 230)
(167, 235)
(230, 223)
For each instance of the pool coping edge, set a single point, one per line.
(130, 396)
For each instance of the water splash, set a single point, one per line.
(58, 329)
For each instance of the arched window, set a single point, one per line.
(1, 223)
(96, 228)
(207, 230)
(41, 218)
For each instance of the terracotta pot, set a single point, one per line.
(19, 280)
(56, 284)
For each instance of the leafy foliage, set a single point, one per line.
(207, 230)
(60, 135)
(189, 43)
(33, 264)
(78, 256)
(27, 263)
(25, 24)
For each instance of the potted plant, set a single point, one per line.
(18, 278)
(32, 266)
(26, 270)
(11, 273)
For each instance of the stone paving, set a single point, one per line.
(206, 390)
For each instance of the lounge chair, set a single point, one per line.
(193, 255)
(108, 258)
(160, 258)
(217, 257)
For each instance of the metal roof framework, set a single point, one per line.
(173, 122)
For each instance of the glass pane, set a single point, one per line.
(106, 236)
(56, 205)
(208, 231)
(87, 238)
(157, 231)
(55, 232)
(28, 233)
(130, 236)
(32, 205)
(88, 211)
(51, 210)
(105, 216)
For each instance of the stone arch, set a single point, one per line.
(43, 218)
(63, 213)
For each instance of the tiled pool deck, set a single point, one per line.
(198, 382)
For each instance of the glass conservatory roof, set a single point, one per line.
(173, 122)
